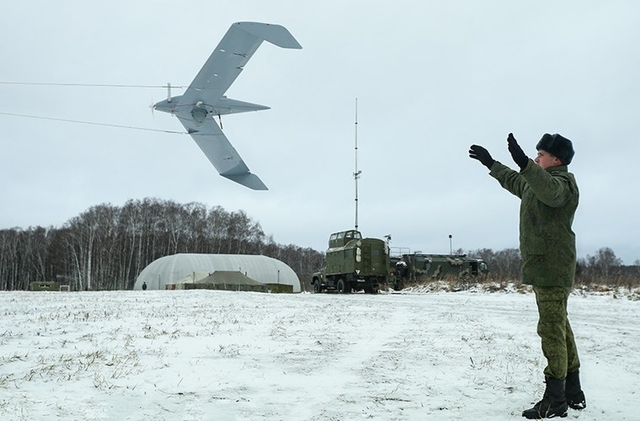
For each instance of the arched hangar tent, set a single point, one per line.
(171, 269)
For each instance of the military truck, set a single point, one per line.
(420, 267)
(352, 264)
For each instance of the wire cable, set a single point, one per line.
(91, 123)
(91, 85)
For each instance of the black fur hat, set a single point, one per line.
(558, 146)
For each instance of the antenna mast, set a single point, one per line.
(356, 174)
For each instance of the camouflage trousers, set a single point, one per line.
(558, 343)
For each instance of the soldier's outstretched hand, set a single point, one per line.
(518, 155)
(481, 154)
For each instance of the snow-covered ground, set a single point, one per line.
(219, 355)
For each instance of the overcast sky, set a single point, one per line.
(431, 78)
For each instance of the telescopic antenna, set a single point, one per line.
(356, 174)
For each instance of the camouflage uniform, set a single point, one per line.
(549, 198)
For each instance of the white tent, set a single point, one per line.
(171, 269)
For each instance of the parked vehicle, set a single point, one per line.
(420, 267)
(352, 264)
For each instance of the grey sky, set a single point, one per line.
(431, 78)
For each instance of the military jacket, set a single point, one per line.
(549, 198)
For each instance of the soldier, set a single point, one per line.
(549, 198)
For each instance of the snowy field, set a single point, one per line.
(219, 355)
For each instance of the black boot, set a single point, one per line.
(575, 395)
(553, 403)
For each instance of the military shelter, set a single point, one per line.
(222, 280)
(44, 286)
(174, 268)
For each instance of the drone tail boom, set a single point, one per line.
(233, 106)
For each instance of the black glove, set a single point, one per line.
(517, 153)
(482, 155)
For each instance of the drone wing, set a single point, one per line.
(221, 153)
(229, 58)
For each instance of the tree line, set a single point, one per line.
(106, 247)
(602, 268)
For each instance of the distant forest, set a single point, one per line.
(106, 247)
(602, 268)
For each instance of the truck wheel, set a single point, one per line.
(341, 287)
(370, 290)
(317, 288)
